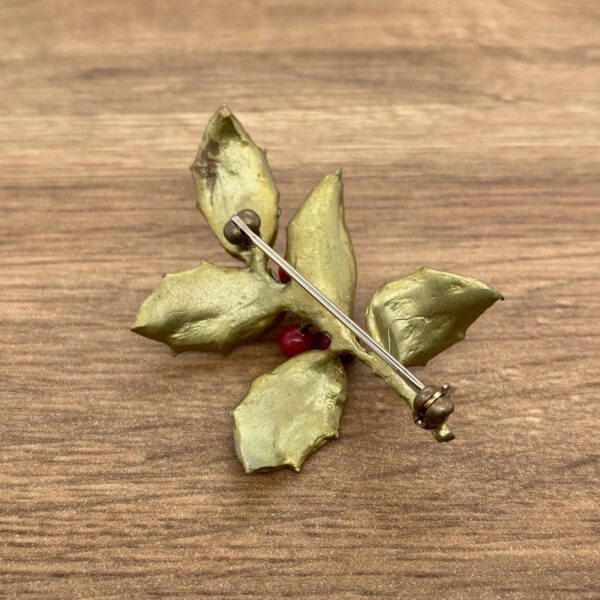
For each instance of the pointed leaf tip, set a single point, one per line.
(224, 111)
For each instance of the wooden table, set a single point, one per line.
(469, 137)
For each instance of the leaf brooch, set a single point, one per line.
(291, 412)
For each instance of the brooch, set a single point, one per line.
(289, 413)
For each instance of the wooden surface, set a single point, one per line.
(469, 137)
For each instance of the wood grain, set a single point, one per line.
(469, 134)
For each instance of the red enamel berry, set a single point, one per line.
(322, 341)
(294, 339)
(283, 276)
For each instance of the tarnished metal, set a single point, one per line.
(432, 406)
(292, 411)
(232, 173)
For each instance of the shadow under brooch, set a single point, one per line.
(291, 412)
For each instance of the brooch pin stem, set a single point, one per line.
(360, 333)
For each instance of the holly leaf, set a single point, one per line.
(290, 412)
(232, 173)
(319, 245)
(419, 316)
(209, 308)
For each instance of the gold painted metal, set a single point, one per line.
(319, 245)
(209, 308)
(292, 411)
(419, 316)
(232, 173)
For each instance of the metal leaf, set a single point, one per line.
(319, 245)
(290, 412)
(209, 308)
(232, 173)
(419, 316)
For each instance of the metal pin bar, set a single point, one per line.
(362, 335)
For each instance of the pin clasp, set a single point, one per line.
(432, 406)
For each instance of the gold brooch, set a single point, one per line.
(289, 413)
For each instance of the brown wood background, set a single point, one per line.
(469, 135)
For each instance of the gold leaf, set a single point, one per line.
(319, 245)
(419, 316)
(232, 173)
(290, 412)
(209, 308)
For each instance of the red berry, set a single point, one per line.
(294, 339)
(322, 341)
(283, 276)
